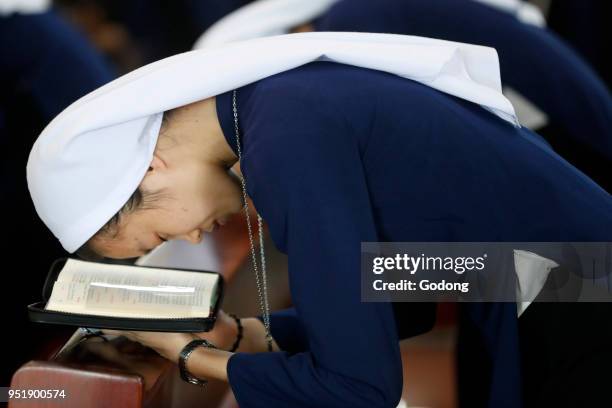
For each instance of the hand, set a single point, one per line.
(204, 363)
(168, 345)
(223, 333)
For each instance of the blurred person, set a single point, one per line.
(45, 65)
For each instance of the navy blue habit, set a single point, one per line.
(334, 155)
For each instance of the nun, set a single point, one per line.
(553, 89)
(342, 138)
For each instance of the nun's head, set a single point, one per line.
(188, 189)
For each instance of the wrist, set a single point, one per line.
(185, 358)
(178, 346)
(208, 363)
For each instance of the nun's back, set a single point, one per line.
(335, 155)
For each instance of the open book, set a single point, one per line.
(103, 295)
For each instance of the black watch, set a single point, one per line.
(184, 355)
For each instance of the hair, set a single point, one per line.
(140, 200)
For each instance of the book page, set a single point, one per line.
(129, 291)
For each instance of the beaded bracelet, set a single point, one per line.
(239, 336)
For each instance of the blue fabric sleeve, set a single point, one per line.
(322, 203)
(287, 330)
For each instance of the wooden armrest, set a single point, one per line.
(82, 386)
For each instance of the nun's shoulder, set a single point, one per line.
(303, 96)
(319, 89)
(319, 79)
(300, 100)
(298, 110)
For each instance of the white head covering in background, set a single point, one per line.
(91, 158)
(264, 18)
(8, 7)
(522, 10)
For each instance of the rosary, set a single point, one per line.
(262, 285)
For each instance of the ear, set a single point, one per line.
(155, 175)
(157, 163)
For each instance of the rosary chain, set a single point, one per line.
(262, 283)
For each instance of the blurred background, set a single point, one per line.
(52, 53)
